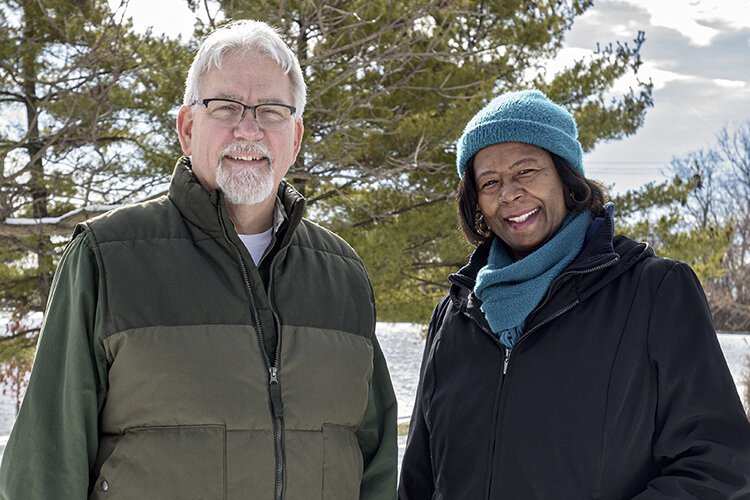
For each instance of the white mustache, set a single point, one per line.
(248, 148)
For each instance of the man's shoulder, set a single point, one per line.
(316, 237)
(157, 218)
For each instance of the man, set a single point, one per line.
(212, 343)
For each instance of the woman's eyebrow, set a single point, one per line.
(524, 160)
(516, 164)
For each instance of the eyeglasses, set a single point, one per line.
(269, 116)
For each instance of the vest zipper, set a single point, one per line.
(274, 388)
(275, 391)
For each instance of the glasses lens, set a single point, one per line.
(272, 115)
(268, 116)
(225, 111)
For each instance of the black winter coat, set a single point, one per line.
(618, 389)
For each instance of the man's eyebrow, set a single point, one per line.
(238, 98)
(224, 95)
(272, 100)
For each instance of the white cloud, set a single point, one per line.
(698, 89)
(653, 70)
(734, 13)
(565, 58)
(171, 17)
(730, 84)
(692, 18)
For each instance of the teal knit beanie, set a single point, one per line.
(526, 116)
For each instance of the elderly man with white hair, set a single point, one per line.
(212, 343)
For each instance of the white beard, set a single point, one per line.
(242, 185)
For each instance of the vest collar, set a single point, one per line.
(201, 207)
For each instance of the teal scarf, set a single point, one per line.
(510, 290)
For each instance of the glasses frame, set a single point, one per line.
(245, 107)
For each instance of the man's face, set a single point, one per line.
(246, 161)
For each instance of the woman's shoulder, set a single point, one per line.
(656, 270)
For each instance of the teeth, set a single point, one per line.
(247, 158)
(523, 217)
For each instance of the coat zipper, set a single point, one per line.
(570, 306)
(559, 313)
(274, 388)
(506, 359)
(507, 352)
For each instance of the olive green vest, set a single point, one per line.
(192, 409)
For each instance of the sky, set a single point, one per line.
(697, 54)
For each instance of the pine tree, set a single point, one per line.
(391, 86)
(656, 213)
(87, 120)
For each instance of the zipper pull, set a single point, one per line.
(506, 360)
(274, 390)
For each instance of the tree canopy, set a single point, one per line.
(85, 118)
(716, 214)
(391, 87)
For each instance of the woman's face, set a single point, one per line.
(521, 195)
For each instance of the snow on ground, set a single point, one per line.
(736, 347)
(402, 344)
(7, 417)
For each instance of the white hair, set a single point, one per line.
(245, 35)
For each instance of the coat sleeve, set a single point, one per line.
(54, 441)
(702, 436)
(377, 435)
(417, 480)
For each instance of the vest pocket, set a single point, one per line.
(342, 463)
(186, 462)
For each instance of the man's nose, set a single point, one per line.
(248, 127)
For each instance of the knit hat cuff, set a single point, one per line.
(538, 134)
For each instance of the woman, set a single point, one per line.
(565, 362)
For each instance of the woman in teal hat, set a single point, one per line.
(565, 362)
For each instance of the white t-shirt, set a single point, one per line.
(257, 243)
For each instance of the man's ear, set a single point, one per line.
(185, 128)
(299, 131)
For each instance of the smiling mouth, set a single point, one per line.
(523, 217)
(246, 157)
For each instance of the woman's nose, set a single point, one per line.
(508, 192)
